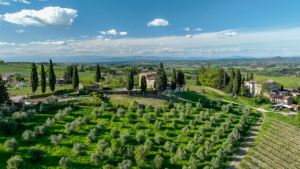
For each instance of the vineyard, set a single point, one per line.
(277, 146)
(202, 134)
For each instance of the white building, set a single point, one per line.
(170, 91)
(254, 86)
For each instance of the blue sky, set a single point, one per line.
(61, 28)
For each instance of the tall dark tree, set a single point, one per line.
(160, 79)
(98, 73)
(4, 96)
(34, 80)
(230, 85)
(281, 88)
(143, 84)
(180, 79)
(43, 80)
(251, 76)
(75, 80)
(218, 83)
(247, 77)
(237, 82)
(174, 80)
(68, 76)
(129, 81)
(52, 77)
(226, 79)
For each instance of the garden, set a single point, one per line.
(197, 133)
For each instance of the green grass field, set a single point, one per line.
(22, 91)
(285, 81)
(54, 153)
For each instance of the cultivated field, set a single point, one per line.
(277, 146)
(203, 132)
(285, 81)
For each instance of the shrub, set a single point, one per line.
(69, 127)
(147, 117)
(102, 144)
(135, 103)
(121, 111)
(65, 162)
(185, 131)
(56, 139)
(100, 126)
(59, 116)
(43, 108)
(15, 162)
(67, 111)
(29, 136)
(131, 108)
(158, 138)
(78, 148)
(12, 145)
(36, 154)
(20, 118)
(158, 160)
(7, 126)
(125, 164)
(139, 112)
(40, 130)
(92, 135)
(86, 119)
(52, 100)
(96, 157)
(124, 136)
(31, 114)
(50, 122)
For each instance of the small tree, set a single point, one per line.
(56, 139)
(97, 157)
(121, 112)
(158, 138)
(65, 162)
(29, 136)
(12, 145)
(179, 138)
(34, 79)
(15, 162)
(92, 135)
(180, 79)
(190, 146)
(36, 154)
(216, 162)
(78, 148)
(158, 160)
(143, 84)
(197, 138)
(113, 132)
(102, 145)
(158, 124)
(124, 136)
(125, 164)
(194, 162)
(200, 154)
(173, 160)
(140, 136)
(52, 100)
(185, 131)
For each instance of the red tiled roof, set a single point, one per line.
(295, 105)
(280, 96)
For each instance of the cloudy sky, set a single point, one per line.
(62, 28)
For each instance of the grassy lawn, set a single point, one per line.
(285, 81)
(22, 91)
(54, 153)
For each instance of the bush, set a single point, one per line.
(96, 157)
(20, 118)
(12, 145)
(121, 111)
(29, 136)
(7, 126)
(36, 154)
(15, 162)
(78, 148)
(43, 108)
(67, 111)
(52, 100)
(131, 108)
(56, 139)
(100, 126)
(92, 135)
(69, 127)
(135, 103)
(31, 114)
(50, 122)
(59, 116)
(39, 130)
(125, 164)
(65, 162)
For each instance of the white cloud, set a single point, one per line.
(23, 1)
(158, 22)
(100, 37)
(70, 40)
(20, 31)
(85, 36)
(189, 36)
(7, 44)
(231, 34)
(42, 0)
(123, 33)
(107, 39)
(187, 29)
(162, 44)
(49, 43)
(110, 32)
(198, 29)
(2, 2)
(46, 17)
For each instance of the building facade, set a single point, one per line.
(150, 79)
(255, 86)
(279, 99)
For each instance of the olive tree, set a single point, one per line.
(36, 154)
(125, 164)
(78, 148)
(56, 139)
(12, 145)
(158, 160)
(65, 162)
(15, 162)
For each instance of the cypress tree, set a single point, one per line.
(43, 79)
(247, 77)
(143, 84)
(237, 82)
(180, 79)
(4, 96)
(98, 73)
(75, 80)
(225, 79)
(68, 75)
(160, 79)
(281, 88)
(52, 78)
(251, 76)
(173, 81)
(129, 81)
(34, 80)
(230, 85)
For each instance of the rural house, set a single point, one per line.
(281, 99)
(295, 107)
(119, 73)
(17, 83)
(254, 86)
(8, 76)
(150, 78)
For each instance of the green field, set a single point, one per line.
(285, 81)
(54, 153)
(22, 91)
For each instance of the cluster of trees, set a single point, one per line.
(4, 96)
(219, 79)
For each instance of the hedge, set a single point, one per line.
(57, 92)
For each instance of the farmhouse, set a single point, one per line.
(254, 86)
(281, 99)
(295, 107)
(8, 76)
(119, 73)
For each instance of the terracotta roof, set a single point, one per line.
(295, 93)
(288, 89)
(280, 96)
(266, 80)
(294, 105)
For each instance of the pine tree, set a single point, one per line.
(34, 80)
(237, 82)
(143, 84)
(43, 79)
(98, 73)
(180, 79)
(174, 80)
(160, 79)
(52, 78)
(230, 85)
(129, 81)
(75, 80)
(4, 96)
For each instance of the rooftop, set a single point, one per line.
(280, 96)
(294, 105)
